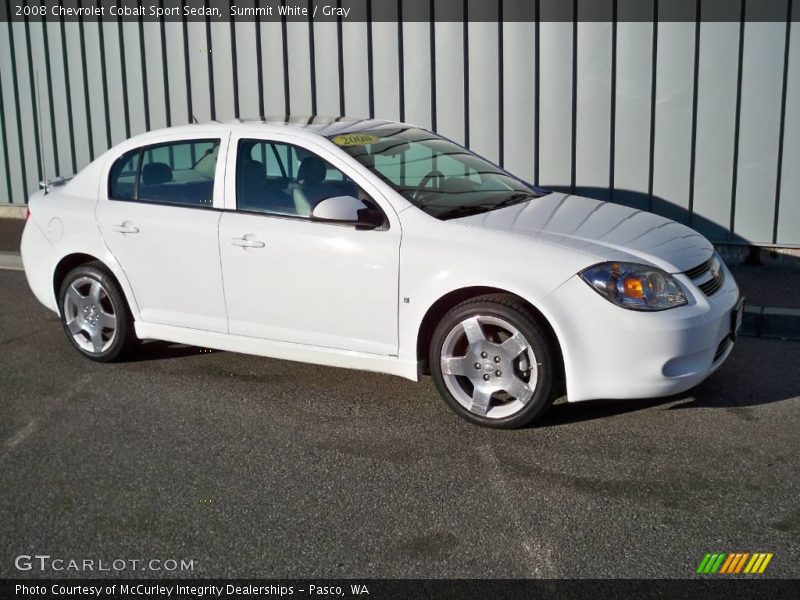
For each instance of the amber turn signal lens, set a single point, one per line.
(633, 287)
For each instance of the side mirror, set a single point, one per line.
(347, 210)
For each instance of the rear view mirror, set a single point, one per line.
(343, 209)
(347, 209)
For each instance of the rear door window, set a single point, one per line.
(173, 173)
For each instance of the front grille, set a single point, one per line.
(705, 277)
(699, 270)
(711, 286)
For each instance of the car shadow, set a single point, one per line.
(158, 350)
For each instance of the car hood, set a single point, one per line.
(603, 229)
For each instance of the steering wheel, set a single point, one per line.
(430, 175)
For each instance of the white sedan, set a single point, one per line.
(380, 246)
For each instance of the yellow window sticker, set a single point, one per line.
(355, 139)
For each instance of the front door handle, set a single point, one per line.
(125, 227)
(244, 242)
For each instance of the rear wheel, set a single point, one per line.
(94, 313)
(492, 363)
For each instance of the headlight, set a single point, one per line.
(634, 286)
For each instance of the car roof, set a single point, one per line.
(322, 125)
(305, 124)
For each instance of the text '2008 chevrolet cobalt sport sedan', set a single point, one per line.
(380, 246)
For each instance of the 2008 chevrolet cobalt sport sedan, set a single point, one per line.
(380, 246)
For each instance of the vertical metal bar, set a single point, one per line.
(466, 72)
(145, 90)
(342, 111)
(187, 66)
(235, 69)
(735, 176)
(104, 76)
(126, 109)
(48, 75)
(167, 109)
(37, 142)
(536, 83)
(400, 61)
(370, 63)
(574, 136)
(653, 90)
(786, 47)
(312, 57)
(260, 65)
(612, 127)
(695, 84)
(285, 42)
(15, 88)
(432, 41)
(87, 103)
(501, 142)
(68, 93)
(212, 99)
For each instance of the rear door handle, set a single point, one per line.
(125, 228)
(247, 243)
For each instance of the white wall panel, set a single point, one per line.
(169, 56)
(484, 134)
(247, 69)
(198, 71)
(417, 67)
(716, 117)
(26, 94)
(759, 129)
(519, 51)
(593, 124)
(327, 67)
(176, 70)
(450, 79)
(386, 68)
(299, 68)
(356, 73)
(672, 149)
(151, 33)
(272, 65)
(789, 210)
(223, 70)
(632, 114)
(19, 188)
(555, 101)
(76, 75)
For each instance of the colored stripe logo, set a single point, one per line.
(731, 563)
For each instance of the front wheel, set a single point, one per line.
(94, 313)
(492, 363)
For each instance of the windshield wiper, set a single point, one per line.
(463, 211)
(516, 198)
(474, 209)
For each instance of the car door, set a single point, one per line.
(159, 217)
(292, 279)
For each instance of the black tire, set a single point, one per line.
(509, 309)
(112, 300)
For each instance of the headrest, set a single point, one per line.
(312, 170)
(252, 172)
(156, 173)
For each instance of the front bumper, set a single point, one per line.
(615, 353)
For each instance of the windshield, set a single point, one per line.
(435, 174)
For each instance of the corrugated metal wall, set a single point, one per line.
(697, 121)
